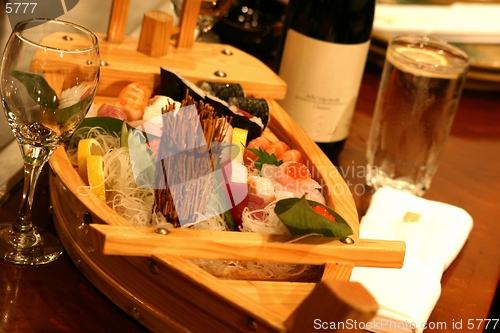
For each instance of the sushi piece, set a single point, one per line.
(223, 91)
(133, 100)
(257, 107)
(175, 86)
(111, 111)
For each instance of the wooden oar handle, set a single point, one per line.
(187, 25)
(118, 21)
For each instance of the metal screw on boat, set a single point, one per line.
(153, 268)
(251, 324)
(69, 38)
(79, 265)
(87, 218)
(135, 314)
(227, 52)
(162, 231)
(220, 73)
(347, 240)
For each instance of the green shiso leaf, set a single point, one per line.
(38, 89)
(109, 124)
(43, 94)
(300, 219)
(125, 132)
(113, 126)
(263, 157)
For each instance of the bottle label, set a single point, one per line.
(323, 82)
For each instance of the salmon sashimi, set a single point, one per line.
(133, 100)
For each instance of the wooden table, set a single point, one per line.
(57, 298)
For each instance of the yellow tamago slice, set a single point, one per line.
(239, 139)
(95, 175)
(87, 147)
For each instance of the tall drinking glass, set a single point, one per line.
(419, 92)
(48, 79)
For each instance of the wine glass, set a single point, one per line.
(48, 79)
(210, 13)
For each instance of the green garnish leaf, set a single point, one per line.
(38, 88)
(65, 114)
(109, 124)
(263, 157)
(300, 219)
(113, 126)
(124, 134)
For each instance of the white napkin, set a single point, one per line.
(408, 295)
(458, 23)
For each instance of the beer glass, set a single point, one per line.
(419, 92)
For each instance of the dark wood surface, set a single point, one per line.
(57, 298)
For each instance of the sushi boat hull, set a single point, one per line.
(148, 273)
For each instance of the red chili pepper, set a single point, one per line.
(323, 212)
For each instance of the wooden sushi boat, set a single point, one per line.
(147, 272)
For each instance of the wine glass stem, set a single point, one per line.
(31, 173)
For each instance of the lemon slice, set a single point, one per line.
(87, 147)
(239, 139)
(96, 176)
(430, 63)
(423, 56)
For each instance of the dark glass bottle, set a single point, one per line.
(321, 57)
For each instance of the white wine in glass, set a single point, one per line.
(48, 79)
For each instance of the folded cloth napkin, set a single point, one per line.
(434, 234)
(458, 23)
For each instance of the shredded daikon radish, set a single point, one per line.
(135, 205)
(233, 269)
(263, 221)
(212, 219)
(132, 202)
(128, 200)
(106, 140)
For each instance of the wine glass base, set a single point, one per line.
(36, 247)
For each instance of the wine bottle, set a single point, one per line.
(321, 57)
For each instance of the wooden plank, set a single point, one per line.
(282, 297)
(222, 245)
(216, 296)
(125, 65)
(122, 64)
(340, 271)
